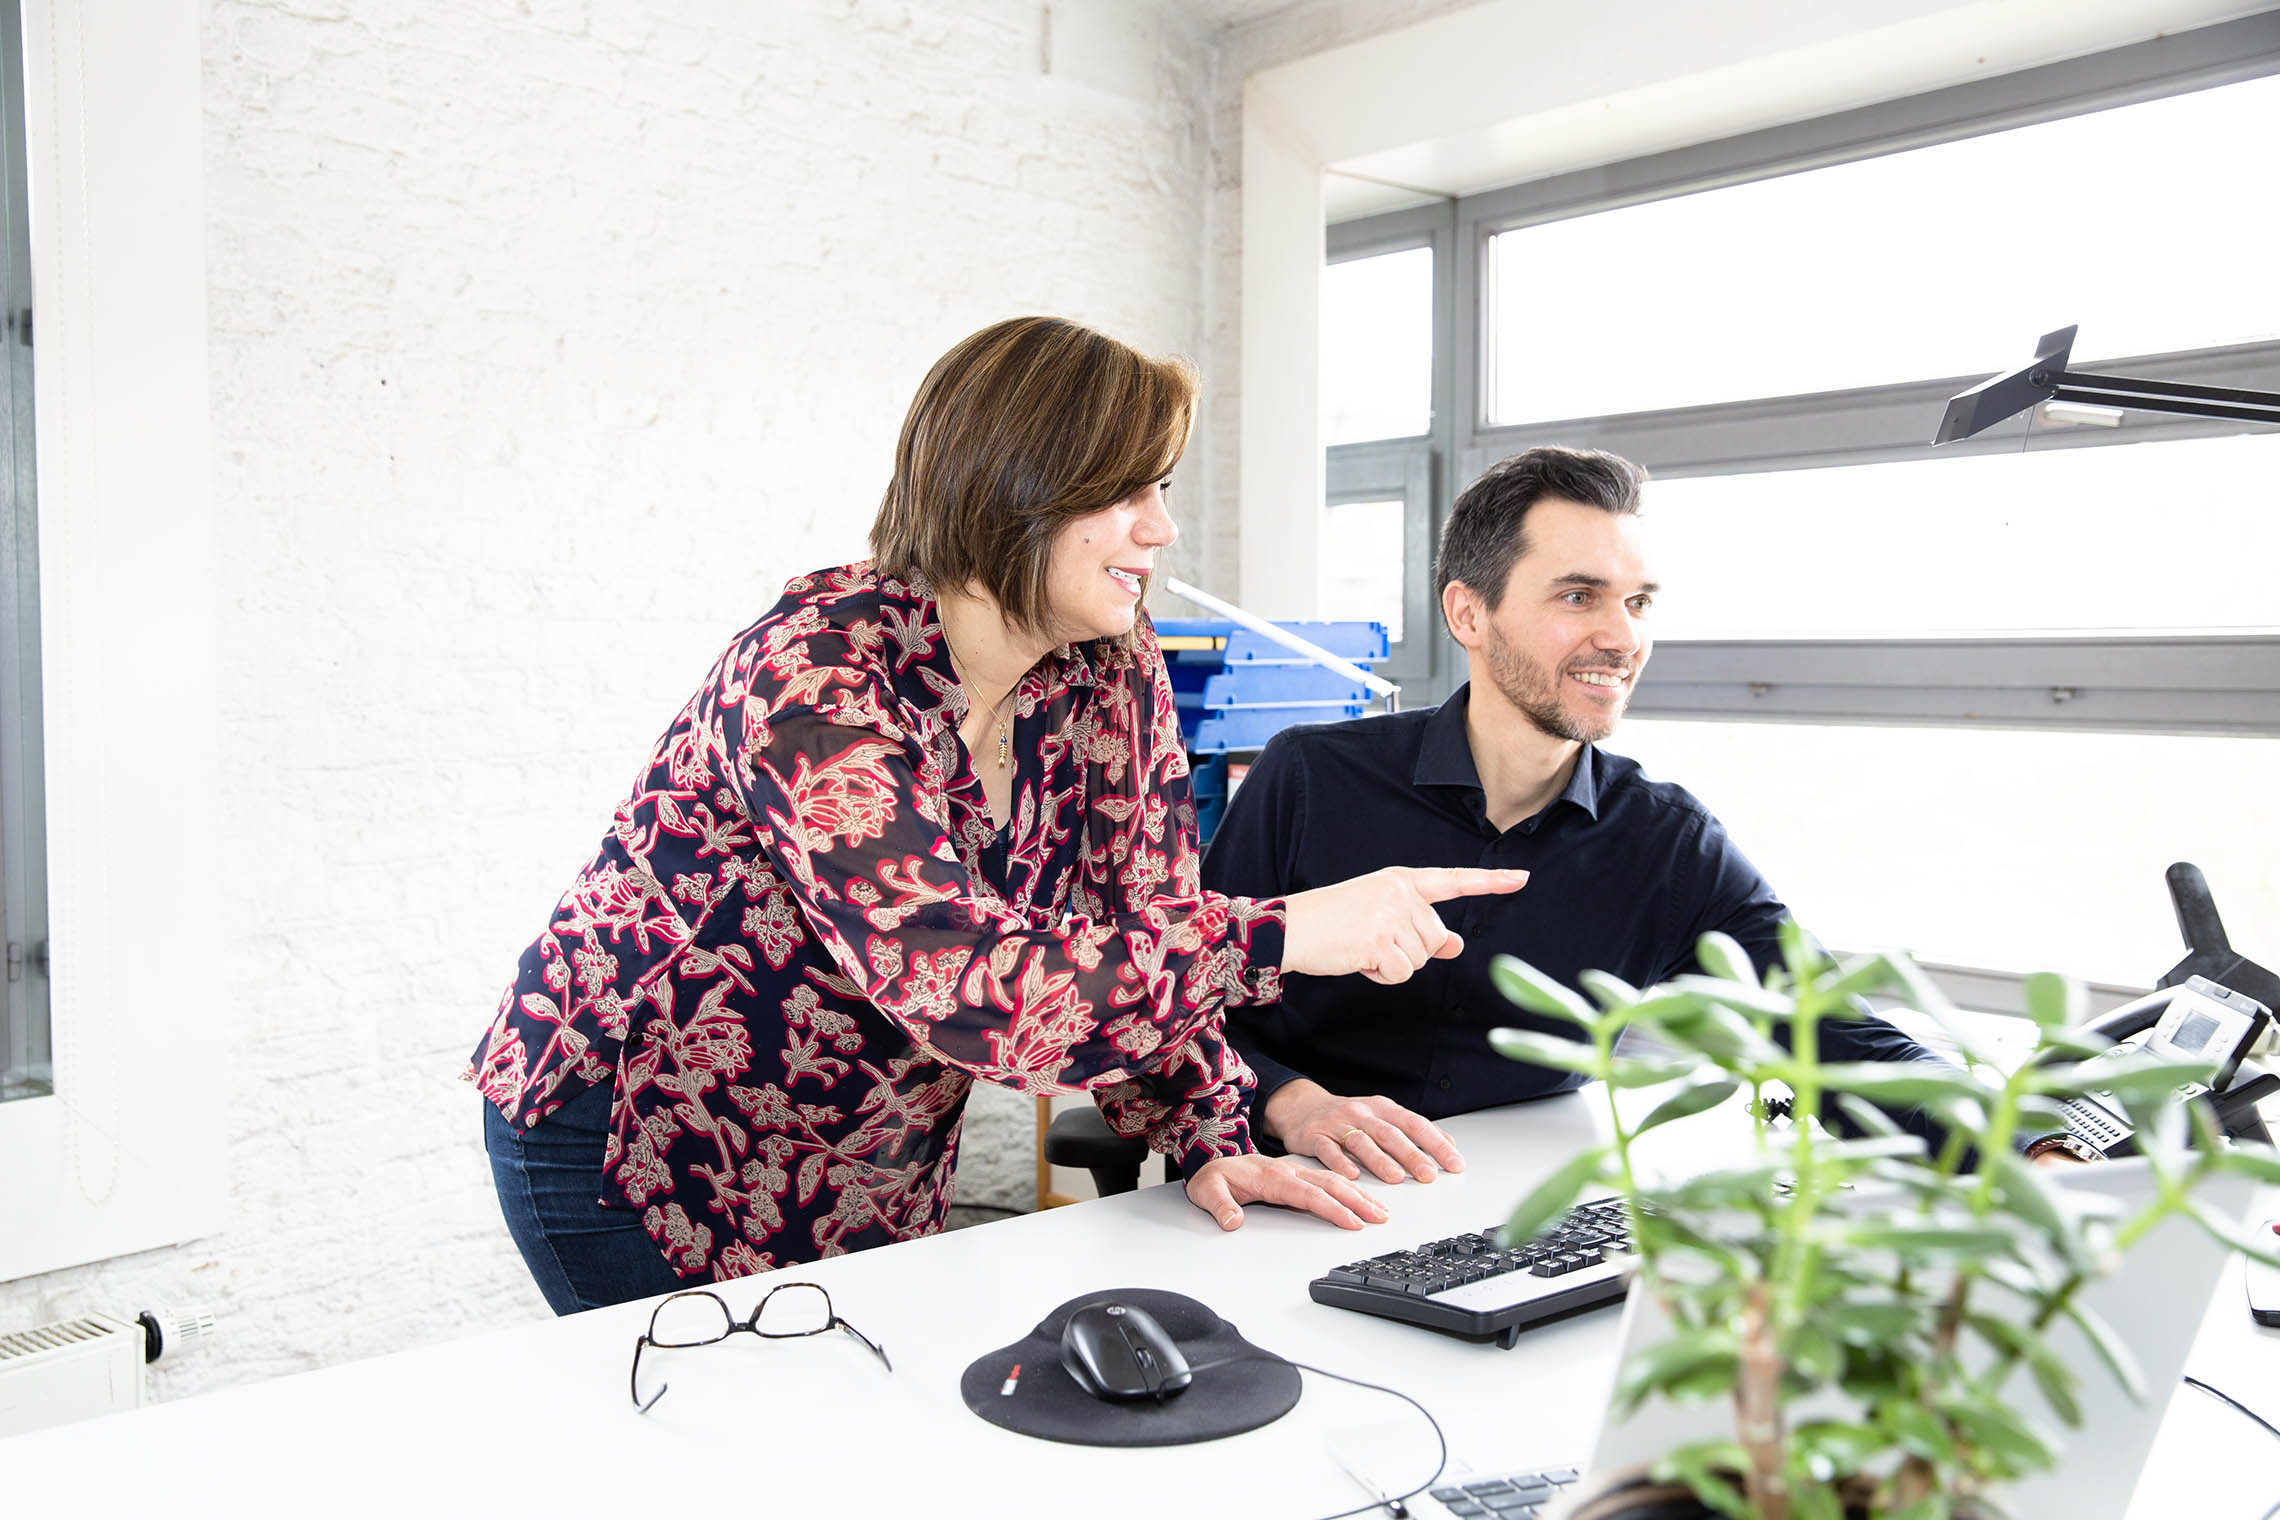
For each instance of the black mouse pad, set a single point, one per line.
(1237, 1386)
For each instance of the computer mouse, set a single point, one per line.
(1118, 1352)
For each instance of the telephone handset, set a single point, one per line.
(2213, 1004)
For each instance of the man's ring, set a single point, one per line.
(1346, 1140)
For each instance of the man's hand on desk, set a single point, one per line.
(1347, 1134)
(1220, 1188)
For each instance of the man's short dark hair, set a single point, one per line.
(1486, 530)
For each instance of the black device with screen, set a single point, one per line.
(2213, 1004)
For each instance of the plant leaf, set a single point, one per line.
(1917, 1431)
(1912, 1084)
(1538, 993)
(2231, 1233)
(1722, 955)
(1688, 1101)
(1701, 1466)
(1749, 1186)
(1800, 952)
(1638, 1071)
(2111, 1350)
(2024, 1194)
(2077, 1044)
(1712, 1349)
(1870, 974)
(1841, 1447)
(1929, 1240)
(1871, 1148)
(1739, 996)
(1814, 1354)
(1870, 1324)
(1550, 1198)
(1612, 991)
(2053, 1001)
(1545, 1050)
(1867, 1115)
(1998, 1431)
(2129, 1079)
(2258, 1161)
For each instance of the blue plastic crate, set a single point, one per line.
(1236, 689)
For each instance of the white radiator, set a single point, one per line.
(70, 1370)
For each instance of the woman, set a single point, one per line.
(927, 822)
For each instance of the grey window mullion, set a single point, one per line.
(1402, 470)
(1879, 424)
(26, 1065)
(2184, 683)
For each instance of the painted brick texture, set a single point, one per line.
(547, 340)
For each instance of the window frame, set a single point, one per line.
(1995, 681)
(1413, 468)
(129, 1151)
(26, 1036)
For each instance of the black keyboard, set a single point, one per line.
(1514, 1496)
(1470, 1286)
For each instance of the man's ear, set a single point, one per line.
(1464, 611)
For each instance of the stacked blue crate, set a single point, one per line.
(1237, 689)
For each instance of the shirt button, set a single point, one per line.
(1444, 1084)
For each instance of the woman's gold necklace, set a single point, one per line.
(1001, 715)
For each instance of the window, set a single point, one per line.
(1377, 347)
(2138, 221)
(1971, 700)
(1388, 427)
(26, 1060)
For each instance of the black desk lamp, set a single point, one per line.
(2046, 378)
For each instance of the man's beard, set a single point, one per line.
(1536, 693)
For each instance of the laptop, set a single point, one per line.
(2155, 1304)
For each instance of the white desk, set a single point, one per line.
(790, 1428)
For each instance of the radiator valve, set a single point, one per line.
(169, 1328)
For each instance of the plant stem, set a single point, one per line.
(1757, 1407)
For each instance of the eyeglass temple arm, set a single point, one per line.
(633, 1380)
(876, 1349)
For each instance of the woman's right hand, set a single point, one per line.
(1383, 924)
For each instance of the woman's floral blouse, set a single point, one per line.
(788, 961)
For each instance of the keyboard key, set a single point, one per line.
(1488, 1488)
(1562, 1475)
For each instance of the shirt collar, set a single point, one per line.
(1445, 758)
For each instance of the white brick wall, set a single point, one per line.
(547, 339)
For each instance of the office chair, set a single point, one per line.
(1080, 1137)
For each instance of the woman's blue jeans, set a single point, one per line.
(550, 1183)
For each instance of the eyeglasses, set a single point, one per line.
(699, 1318)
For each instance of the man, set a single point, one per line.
(1544, 580)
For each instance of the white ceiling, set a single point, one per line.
(1218, 15)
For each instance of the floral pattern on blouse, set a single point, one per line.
(787, 958)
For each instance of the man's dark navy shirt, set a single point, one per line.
(1626, 874)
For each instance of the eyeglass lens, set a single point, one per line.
(689, 1319)
(794, 1309)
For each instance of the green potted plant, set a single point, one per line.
(1780, 1282)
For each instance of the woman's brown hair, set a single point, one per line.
(1018, 429)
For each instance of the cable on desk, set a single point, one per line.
(1391, 1502)
(2219, 1393)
